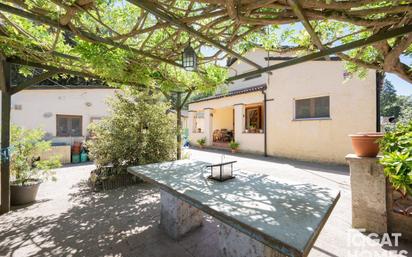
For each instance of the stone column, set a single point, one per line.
(368, 188)
(177, 217)
(191, 122)
(239, 121)
(233, 243)
(208, 125)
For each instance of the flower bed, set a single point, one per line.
(107, 178)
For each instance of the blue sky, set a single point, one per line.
(402, 87)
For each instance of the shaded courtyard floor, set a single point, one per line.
(70, 220)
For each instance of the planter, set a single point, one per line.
(76, 148)
(24, 194)
(75, 158)
(84, 157)
(365, 144)
(234, 150)
(113, 182)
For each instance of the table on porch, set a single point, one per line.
(258, 215)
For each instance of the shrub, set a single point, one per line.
(25, 165)
(233, 145)
(137, 131)
(201, 141)
(396, 147)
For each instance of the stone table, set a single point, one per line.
(259, 215)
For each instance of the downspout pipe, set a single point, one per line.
(379, 84)
(264, 122)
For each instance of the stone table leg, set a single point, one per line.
(233, 243)
(177, 217)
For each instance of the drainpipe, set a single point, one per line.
(264, 122)
(379, 83)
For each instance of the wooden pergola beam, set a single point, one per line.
(5, 134)
(33, 81)
(150, 7)
(299, 12)
(330, 51)
(85, 34)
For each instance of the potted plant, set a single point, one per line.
(252, 129)
(27, 170)
(201, 142)
(365, 144)
(396, 147)
(234, 146)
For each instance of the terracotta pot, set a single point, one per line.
(366, 144)
(233, 150)
(24, 194)
(76, 147)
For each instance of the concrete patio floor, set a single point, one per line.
(70, 220)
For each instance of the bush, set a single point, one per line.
(233, 145)
(201, 141)
(396, 147)
(137, 131)
(25, 165)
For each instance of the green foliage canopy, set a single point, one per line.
(120, 42)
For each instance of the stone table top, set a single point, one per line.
(283, 214)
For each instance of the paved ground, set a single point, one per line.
(70, 220)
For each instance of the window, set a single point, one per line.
(253, 117)
(312, 108)
(68, 126)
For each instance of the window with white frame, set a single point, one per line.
(312, 108)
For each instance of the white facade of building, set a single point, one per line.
(311, 108)
(39, 108)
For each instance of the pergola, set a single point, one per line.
(148, 34)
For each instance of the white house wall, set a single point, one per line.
(352, 109)
(39, 108)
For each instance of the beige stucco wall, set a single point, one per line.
(223, 118)
(222, 113)
(225, 102)
(352, 109)
(89, 103)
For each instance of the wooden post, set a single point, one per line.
(179, 124)
(5, 134)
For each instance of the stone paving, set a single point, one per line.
(70, 220)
